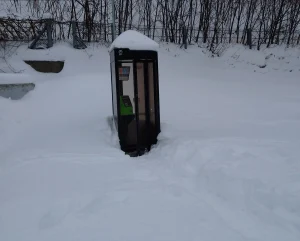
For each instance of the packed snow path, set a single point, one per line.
(226, 166)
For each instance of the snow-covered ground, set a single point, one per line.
(226, 167)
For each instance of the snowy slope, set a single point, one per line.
(226, 166)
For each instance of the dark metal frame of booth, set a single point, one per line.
(117, 57)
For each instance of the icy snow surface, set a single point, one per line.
(226, 167)
(134, 40)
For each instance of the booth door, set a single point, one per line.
(137, 104)
(145, 103)
(128, 117)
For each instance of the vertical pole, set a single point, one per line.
(249, 38)
(74, 34)
(147, 102)
(113, 26)
(136, 107)
(49, 32)
(156, 97)
(185, 36)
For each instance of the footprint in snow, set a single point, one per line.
(53, 217)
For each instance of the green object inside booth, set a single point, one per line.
(126, 106)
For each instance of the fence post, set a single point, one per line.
(113, 32)
(74, 34)
(249, 38)
(49, 23)
(47, 29)
(77, 41)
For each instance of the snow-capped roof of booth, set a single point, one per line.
(134, 40)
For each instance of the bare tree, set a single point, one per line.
(207, 21)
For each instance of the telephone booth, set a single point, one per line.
(135, 91)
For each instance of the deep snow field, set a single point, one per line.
(226, 168)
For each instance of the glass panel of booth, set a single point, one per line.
(151, 93)
(127, 104)
(141, 90)
(142, 118)
(126, 80)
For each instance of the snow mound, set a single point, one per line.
(241, 54)
(286, 59)
(135, 41)
(278, 58)
(61, 51)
